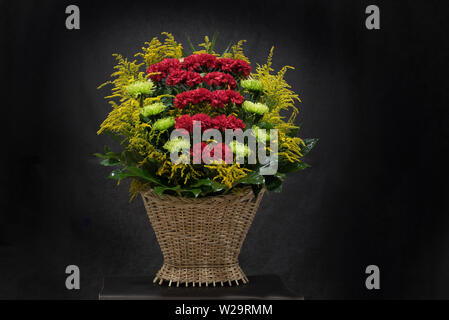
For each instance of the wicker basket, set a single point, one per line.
(201, 238)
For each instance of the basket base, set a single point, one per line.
(201, 275)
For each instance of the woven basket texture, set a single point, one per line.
(201, 238)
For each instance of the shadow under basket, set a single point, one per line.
(201, 238)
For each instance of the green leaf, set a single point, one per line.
(99, 155)
(138, 172)
(110, 162)
(212, 43)
(265, 125)
(214, 185)
(190, 44)
(129, 158)
(280, 175)
(161, 189)
(132, 172)
(287, 167)
(196, 192)
(273, 183)
(202, 182)
(227, 48)
(310, 144)
(253, 178)
(256, 189)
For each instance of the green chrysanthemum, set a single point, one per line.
(177, 145)
(164, 123)
(260, 134)
(252, 85)
(140, 87)
(152, 109)
(239, 148)
(257, 108)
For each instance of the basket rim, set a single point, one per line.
(245, 193)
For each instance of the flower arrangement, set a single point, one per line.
(171, 91)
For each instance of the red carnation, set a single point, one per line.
(234, 97)
(222, 148)
(164, 68)
(234, 66)
(221, 98)
(184, 122)
(219, 79)
(219, 122)
(196, 62)
(232, 122)
(205, 120)
(194, 97)
(183, 76)
(209, 152)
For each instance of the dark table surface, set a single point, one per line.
(142, 288)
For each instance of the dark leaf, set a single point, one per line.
(256, 189)
(310, 143)
(287, 167)
(273, 183)
(110, 162)
(265, 125)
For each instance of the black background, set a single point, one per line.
(377, 192)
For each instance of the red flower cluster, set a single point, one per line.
(200, 62)
(209, 151)
(234, 66)
(196, 61)
(218, 98)
(206, 121)
(221, 98)
(230, 122)
(219, 79)
(164, 67)
(183, 76)
(196, 96)
(219, 122)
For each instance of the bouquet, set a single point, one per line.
(202, 124)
